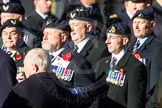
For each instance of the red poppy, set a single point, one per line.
(137, 56)
(18, 56)
(121, 71)
(67, 56)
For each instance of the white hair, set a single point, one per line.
(39, 57)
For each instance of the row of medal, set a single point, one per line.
(115, 77)
(63, 73)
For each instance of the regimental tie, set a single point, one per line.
(113, 63)
(76, 48)
(135, 48)
(52, 58)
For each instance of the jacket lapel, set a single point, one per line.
(131, 44)
(102, 68)
(122, 62)
(149, 39)
(87, 46)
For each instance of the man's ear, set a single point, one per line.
(20, 18)
(64, 37)
(152, 23)
(125, 40)
(89, 28)
(35, 68)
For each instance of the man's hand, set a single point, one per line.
(20, 76)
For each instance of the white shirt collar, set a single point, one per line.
(55, 54)
(87, 6)
(142, 40)
(83, 43)
(130, 16)
(13, 53)
(42, 15)
(118, 56)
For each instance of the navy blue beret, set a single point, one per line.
(11, 7)
(144, 14)
(11, 23)
(119, 28)
(57, 24)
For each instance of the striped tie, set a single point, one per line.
(113, 63)
(51, 56)
(75, 48)
(135, 48)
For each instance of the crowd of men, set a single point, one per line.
(79, 60)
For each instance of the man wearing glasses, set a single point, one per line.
(12, 38)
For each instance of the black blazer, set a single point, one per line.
(151, 51)
(80, 85)
(23, 49)
(132, 93)
(35, 22)
(158, 16)
(38, 91)
(94, 50)
(7, 75)
(125, 18)
(82, 69)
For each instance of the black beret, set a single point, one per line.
(13, 8)
(10, 1)
(114, 18)
(11, 23)
(83, 15)
(144, 14)
(119, 28)
(57, 24)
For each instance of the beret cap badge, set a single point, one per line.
(13, 22)
(140, 15)
(48, 22)
(79, 10)
(5, 7)
(112, 29)
(72, 15)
